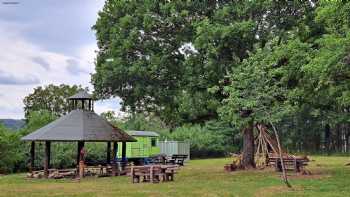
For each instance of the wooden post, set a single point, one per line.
(115, 149)
(47, 159)
(83, 104)
(108, 152)
(114, 154)
(32, 156)
(80, 146)
(123, 151)
(151, 173)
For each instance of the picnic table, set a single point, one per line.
(153, 173)
(290, 162)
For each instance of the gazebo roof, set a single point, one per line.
(79, 125)
(81, 95)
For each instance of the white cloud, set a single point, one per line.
(16, 59)
(9, 79)
(39, 60)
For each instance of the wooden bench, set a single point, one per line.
(290, 163)
(178, 159)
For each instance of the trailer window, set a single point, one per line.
(154, 141)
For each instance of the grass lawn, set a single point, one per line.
(198, 178)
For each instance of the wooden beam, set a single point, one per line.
(32, 156)
(123, 151)
(47, 158)
(108, 152)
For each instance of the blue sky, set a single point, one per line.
(43, 42)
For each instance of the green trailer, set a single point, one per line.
(146, 146)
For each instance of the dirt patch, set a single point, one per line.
(273, 190)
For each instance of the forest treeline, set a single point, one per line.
(209, 71)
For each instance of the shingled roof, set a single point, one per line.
(79, 125)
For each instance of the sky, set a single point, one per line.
(46, 42)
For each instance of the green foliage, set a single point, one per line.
(285, 62)
(266, 84)
(51, 98)
(11, 154)
(141, 122)
(334, 15)
(38, 119)
(299, 86)
(214, 139)
(163, 57)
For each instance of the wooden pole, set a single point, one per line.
(123, 151)
(32, 156)
(115, 149)
(47, 159)
(83, 104)
(79, 159)
(285, 179)
(114, 156)
(80, 146)
(108, 152)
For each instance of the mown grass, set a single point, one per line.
(198, 178)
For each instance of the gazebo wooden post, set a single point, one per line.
(114, 156)
(123, 151)
(108, 152)
(80, 147)
(32, 157)
(47, 158)
(115, 147)
(83, 104)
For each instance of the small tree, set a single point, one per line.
(264, 88)
(51, 98)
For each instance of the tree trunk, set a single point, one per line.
(248, 147)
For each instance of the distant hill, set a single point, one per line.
(13, 124)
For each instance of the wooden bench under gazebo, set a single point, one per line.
(80, 125)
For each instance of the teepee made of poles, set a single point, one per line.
(266, 145)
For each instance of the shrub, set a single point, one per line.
(214, 139)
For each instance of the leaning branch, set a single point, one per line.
(285, 179)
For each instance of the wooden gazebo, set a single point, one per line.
(81, 125)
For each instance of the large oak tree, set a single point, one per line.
(173, 58)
